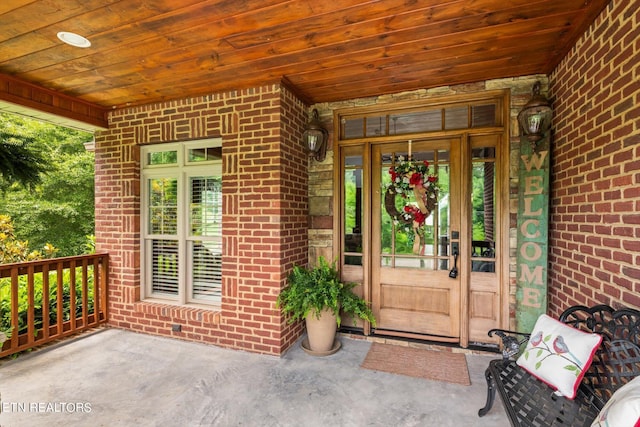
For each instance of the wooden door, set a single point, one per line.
(413, 291)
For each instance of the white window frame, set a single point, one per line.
(183, 170)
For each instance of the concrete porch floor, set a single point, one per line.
(121, 378)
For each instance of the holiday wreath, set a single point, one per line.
(411, 178)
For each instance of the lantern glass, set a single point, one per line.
(313, 139)
(535, 117)
(535, 121)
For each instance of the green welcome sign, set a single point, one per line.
(533, 226)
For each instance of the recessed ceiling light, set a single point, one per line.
(73, 39)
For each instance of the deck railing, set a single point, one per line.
(42, 301)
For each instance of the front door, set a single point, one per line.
(415, 260)
(406, 272)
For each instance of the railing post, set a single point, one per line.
(85, 290)
(72, 294)
(96, 289)
(45, 302)
(31, 315)
(104, 275)
(14, 308)
(59, 299)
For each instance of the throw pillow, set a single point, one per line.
(623, 409)
(559, 354)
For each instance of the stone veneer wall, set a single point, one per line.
(595, 223)
(265, 216)
(321, 174)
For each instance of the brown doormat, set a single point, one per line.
(415, 362)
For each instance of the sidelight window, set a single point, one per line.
(353, 208)
(483, 202)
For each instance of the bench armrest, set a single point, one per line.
(511, 341)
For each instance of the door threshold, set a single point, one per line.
(419, 340)
(414, 336)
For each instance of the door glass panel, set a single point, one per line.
(420, 121)
(407, 241)
(376, 126)
(483, 210)
(444, 212)
(483, 115)
(456, 117)
(353, 128)
(464, 115)
(353, 200)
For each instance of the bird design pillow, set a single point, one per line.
(558, 354)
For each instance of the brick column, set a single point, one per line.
(264, 219)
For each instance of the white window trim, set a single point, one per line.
(182, 170)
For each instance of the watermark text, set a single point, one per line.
(45, 407)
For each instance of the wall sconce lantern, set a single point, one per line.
(535, 117)
(315, 138)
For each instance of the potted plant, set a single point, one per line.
(319, 296)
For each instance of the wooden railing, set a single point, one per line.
(42, 301)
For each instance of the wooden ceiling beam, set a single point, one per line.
(19, 92)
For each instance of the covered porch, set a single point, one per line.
(244, 80)
(115, 377)
(289, 215)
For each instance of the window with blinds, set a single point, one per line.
(205, 225)
(182, 208)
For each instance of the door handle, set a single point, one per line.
(454, 271)
(455, 248)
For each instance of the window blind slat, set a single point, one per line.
(164, 267)
(206, 270)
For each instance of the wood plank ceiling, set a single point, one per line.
(144, 51)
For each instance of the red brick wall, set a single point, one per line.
(264, 218)
(595, 223)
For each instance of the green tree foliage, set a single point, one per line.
(59, 207)
(20, 162)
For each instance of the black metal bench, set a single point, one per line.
(530, 402)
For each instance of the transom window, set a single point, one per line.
(182, 221)
(466, 115)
